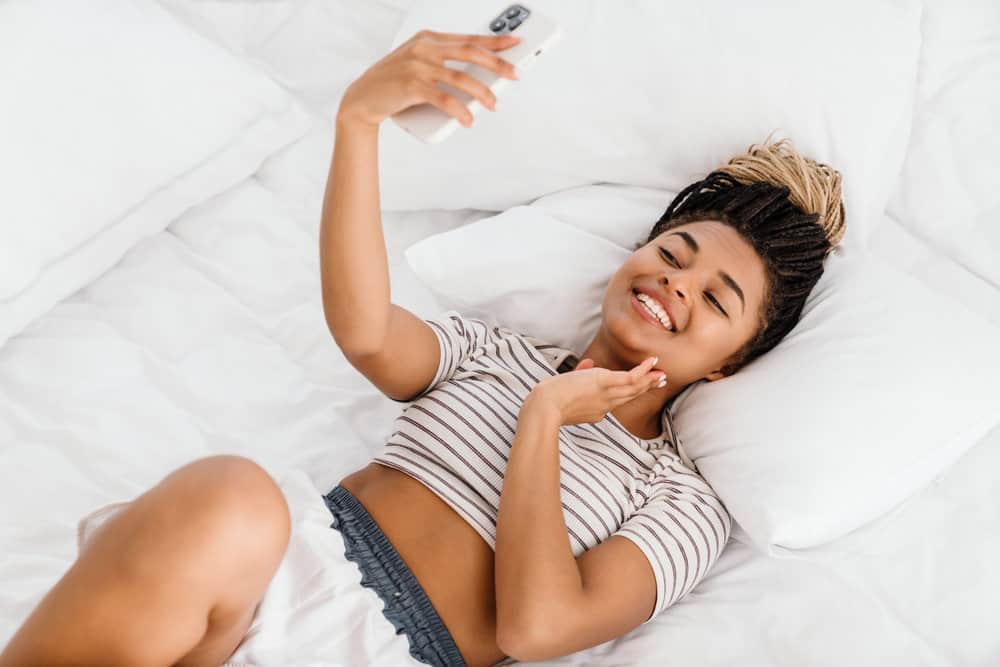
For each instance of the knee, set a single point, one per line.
(234, 503)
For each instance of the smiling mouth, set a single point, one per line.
(645, 314)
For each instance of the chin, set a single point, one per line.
(633, 339)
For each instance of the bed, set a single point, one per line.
(208, 337)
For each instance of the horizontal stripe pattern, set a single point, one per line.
(455, 438)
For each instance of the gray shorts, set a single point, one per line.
(383, 570)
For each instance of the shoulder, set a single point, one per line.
(488, 326)
(681, 489)
(481, 323)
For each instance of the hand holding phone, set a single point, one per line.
(537, 33)
(408, 76)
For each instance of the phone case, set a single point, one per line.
(431, 125)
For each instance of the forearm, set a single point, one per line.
(353, 266)
(534, 564)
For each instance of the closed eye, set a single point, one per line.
(670, 258)
(717, 304)
(708, 295)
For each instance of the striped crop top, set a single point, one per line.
(455, 436)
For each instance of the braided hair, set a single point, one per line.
(789, 209)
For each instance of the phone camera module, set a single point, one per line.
(514, 23)
(498, 25)
(512, 12)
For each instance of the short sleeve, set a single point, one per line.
(458, 337)
(682, 529)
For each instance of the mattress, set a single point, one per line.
(209, 338)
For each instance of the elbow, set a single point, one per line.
(510, 630)
(526, 643)
(508, 637)
(511, 647)
(354, 350)
(354, 346)
(506, 643)
(358, 341)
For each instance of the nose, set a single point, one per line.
(678, 283)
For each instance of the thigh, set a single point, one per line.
(190, 557)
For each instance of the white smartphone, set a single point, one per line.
(537, 33)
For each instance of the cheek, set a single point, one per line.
(707, 328)
(615, 284)
(711, 339)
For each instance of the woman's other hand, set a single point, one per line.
(409, 74)
(587, 394)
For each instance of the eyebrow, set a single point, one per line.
(726, 278)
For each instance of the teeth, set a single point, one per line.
(653, 307)
(660, 318)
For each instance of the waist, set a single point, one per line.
(450, 560)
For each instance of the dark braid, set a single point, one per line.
(791, 242)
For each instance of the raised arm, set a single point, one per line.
(396, 350)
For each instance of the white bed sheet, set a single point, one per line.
(209, 338)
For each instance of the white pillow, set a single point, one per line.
(659, 93)
(880, 387)
(947, 191)
(117, 118)
(536, 265)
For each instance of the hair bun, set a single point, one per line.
(812, 186)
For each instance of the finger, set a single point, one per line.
(631, 377)
(468, 84)
(637, 373)
(653, 379)
(627, 392)
(492, 42)
(608, 378)
(477, 55)
(584, 364)
(619, 379)
(657, 380)
(446, 103)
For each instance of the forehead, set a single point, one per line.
(713, 238)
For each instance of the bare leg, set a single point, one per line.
(172, 579)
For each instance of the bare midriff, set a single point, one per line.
(450, 560)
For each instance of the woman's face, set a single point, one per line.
(700, 289)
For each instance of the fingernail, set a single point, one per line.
(662, 383)
(655, 359)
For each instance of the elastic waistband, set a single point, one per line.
(383, 570)
(347, 509)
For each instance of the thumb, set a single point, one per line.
(585, 364)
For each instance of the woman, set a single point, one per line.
(530, 502)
